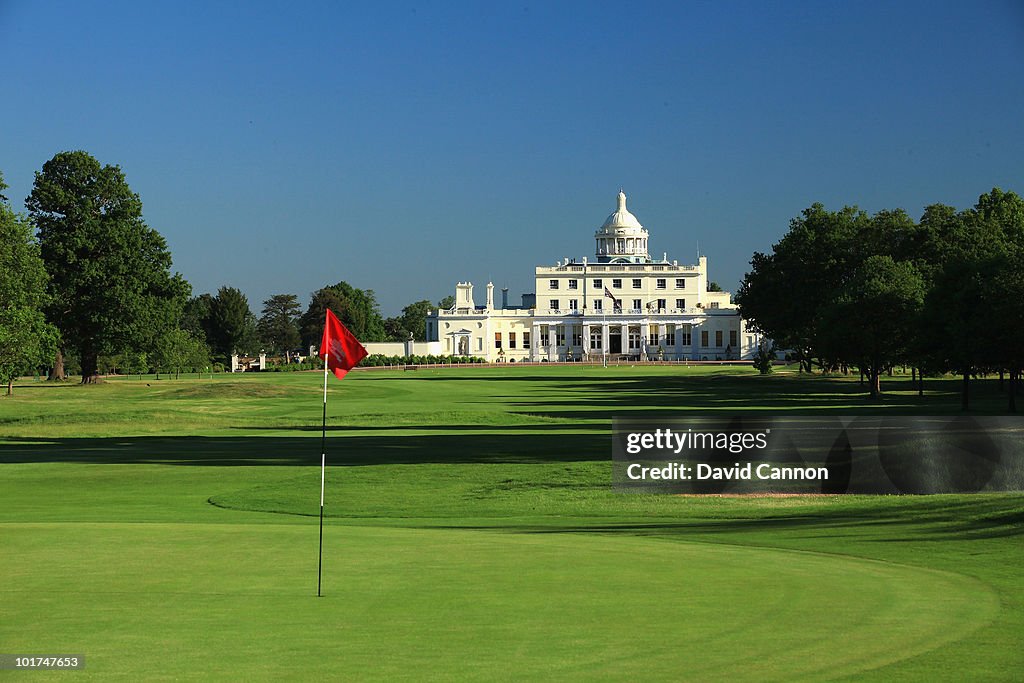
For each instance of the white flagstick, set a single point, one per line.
(323, 473)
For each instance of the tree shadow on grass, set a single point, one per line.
(351, 449)
(930, 519)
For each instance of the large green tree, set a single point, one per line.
(278, 325)
(414, 318)
(786, 292)
(111, 287)
(195, 318)
(872, 321)
(179, 350)
(356, 308)
(966, 308)
(26, 339)
(232, 324)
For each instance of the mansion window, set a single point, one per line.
(598, 305)
(554, 304)
(670, 335)
(704, 338)
(595, 338)
(616, 283)
(636, 283)
(637, 304)
(544, 338)
(574, 304)
(526, 340)
(718, 337)
(661, 283)
(653, 339)
(577, 335)
(686, 337)
(661, 304)
(681, 304)
(553, 284)
(560, 335)
(733, 335)
(497, 340)
(680, 283)
(511, 340)
(634, 338)
(573, 284)
(597, 284)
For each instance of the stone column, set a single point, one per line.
(604, 338)
(586, 339)
(645, 330)
(534, 341)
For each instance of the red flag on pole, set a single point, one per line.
(340, 347)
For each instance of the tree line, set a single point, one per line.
(84, 279)
(943, 294)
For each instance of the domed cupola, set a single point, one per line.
(622, 239)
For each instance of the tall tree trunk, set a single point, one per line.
(10, 388)
(920, 382)
(913, 376)
(965, 391)
(1001, 378)
(875, 387)
(57, 372)
(1014, 379)
(90, 365)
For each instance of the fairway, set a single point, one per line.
(166, 530)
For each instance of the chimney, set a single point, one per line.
(504, 298)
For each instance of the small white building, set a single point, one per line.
(623, 304)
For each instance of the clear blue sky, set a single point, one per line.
(403, 147)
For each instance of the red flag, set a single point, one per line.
(340, 347)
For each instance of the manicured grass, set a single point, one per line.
(167, 530)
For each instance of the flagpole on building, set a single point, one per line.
(604, 347)
(323, 473)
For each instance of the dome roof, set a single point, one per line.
(622, 218)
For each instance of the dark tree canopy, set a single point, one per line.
(278, 325)
(195, 318)
(412, 322)
(111, 287)
(26, 339)
(232, 325)
(356, 308)
(785, 293)
(943, 294)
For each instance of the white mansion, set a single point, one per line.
(624, 304)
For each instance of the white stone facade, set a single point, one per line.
(624, 305)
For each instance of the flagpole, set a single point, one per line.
(341, 352)
(323, 473)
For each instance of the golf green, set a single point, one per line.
(170, 601)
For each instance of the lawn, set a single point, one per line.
(166, 529)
